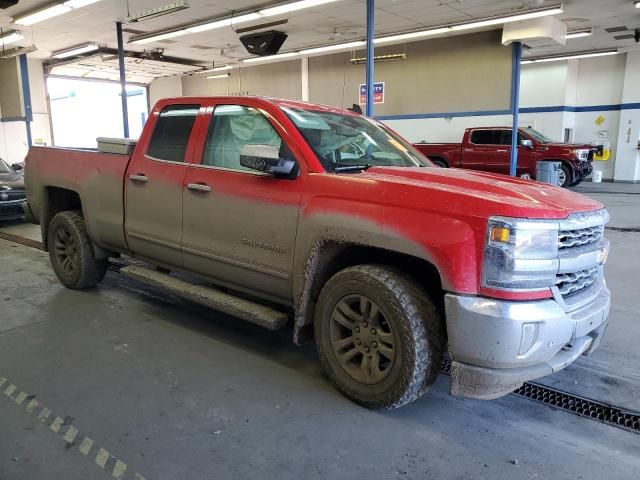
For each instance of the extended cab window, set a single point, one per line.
(171, 133)
(487, 137)
(234, 126)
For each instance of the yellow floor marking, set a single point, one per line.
(31, 406)
(71, 434)
(2, 381)
(139, 477)
(85, 445)
(44, 414)
(119, 469)
(10, 389)
(101, 457)
(56, 424)
(20, 398)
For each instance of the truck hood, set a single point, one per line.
(11, 181)
(571, 146)
(492, 194)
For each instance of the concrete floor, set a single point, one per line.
(176, 391)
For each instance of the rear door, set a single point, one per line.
(502, 162)
(239, 225)
(479, 152)
(154, 179)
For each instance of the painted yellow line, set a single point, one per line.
(10, 389)
(71, 434)
(2, 381)
(44, 414)
(139, 477)
(20, 398)
(119, 469)
(31, 406)
(56, 424)
(85, 446)
(101, 457)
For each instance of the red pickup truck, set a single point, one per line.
(283, 212)
(489, 150)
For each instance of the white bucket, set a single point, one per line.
(596, 176)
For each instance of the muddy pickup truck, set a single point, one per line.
(281, 212)
(489, 149)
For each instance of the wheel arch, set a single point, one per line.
(435, 158)
(331, 256)
(56, 200)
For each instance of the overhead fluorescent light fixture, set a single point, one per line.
(637, 4)
(10, 37)
(42, 14)
(158, 12)
(293, 7)
(586, 32)
(280, 56)
(17, 51)
(440, 30)
(380, 58)
(332, 48)
(217, 77)
(75, 51)
(571, 56)
(222, 68)
(214, 23)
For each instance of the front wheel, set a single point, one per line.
(379, 337)
(439, 162)
(564, 176)
(71, 253)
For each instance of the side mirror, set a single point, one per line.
(527, 143)
(17, 166)
(266, 159)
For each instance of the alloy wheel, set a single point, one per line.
(66, 250)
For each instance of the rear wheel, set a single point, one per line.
(439, 162)
(71, 253)
(379, 337)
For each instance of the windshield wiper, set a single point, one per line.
(352, 168)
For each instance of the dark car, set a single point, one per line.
(12, 191)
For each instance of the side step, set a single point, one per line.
(247, 310)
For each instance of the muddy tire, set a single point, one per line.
(380, 338)
(71, 253)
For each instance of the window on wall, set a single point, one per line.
(83, 110)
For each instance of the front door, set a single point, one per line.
(502, 162)
(479, 153)
(239, 225)
(154, 179)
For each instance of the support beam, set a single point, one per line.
(515, 104)
(26, 97)
(304, 64)
(371, 27)
(123, 81)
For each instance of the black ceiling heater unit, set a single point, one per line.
(264, 43)
(7, 3)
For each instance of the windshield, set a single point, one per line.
(340, 140)
(4, 168)
(537, 135)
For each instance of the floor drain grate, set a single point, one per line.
(625, 229)
(27, 242)
(584, 407)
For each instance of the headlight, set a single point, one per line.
(582, 155)
(520, 254)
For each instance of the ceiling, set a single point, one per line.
(337, 22)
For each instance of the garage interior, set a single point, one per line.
(126, 380)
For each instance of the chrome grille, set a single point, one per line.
(570, 283)
(12, 195)
(580, 237)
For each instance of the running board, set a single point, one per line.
(244, 309)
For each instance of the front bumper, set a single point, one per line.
(498, 345)
(11, 210)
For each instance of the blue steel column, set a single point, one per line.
(26, 96)
(515, 104)
(123, 81)
(371, 5)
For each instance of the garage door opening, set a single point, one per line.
(83, 110)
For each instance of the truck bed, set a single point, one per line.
(96, 177)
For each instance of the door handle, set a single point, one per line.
(139, 177)
(199, 187)
(502, 151)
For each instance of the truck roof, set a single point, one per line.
(280, 102)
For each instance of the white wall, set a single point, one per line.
(13, 135)
(627, 166)
(166, 87)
